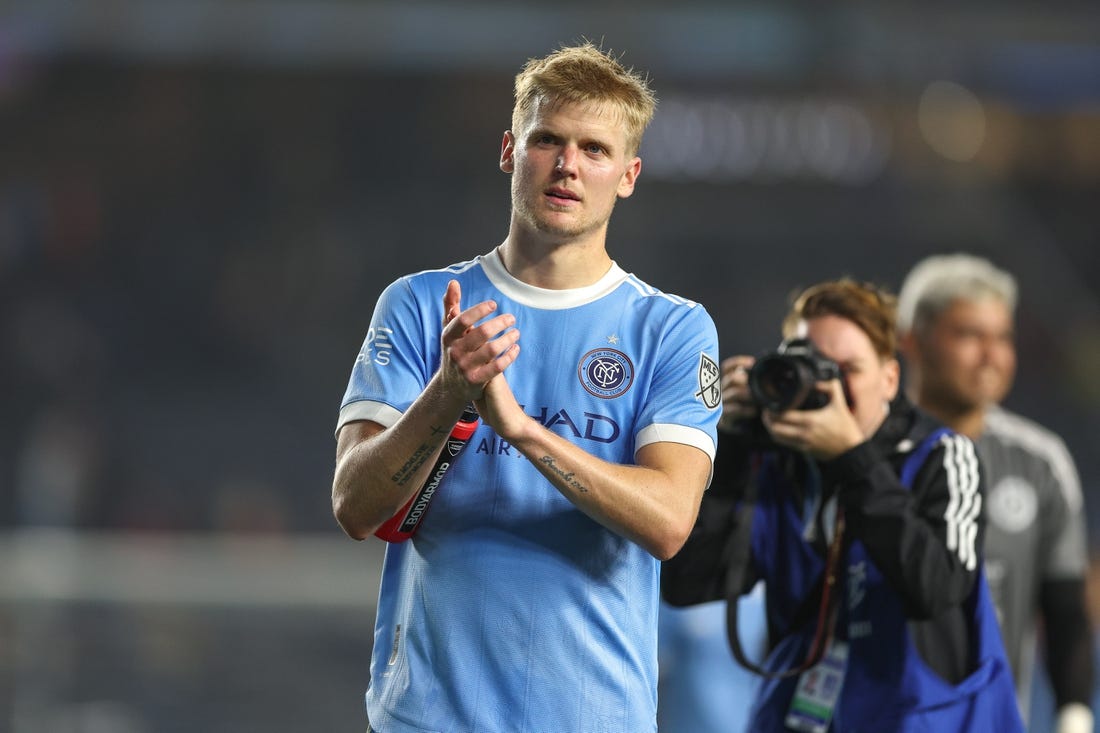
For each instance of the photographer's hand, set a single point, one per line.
(737, 404)
(824, 433)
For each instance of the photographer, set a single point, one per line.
(863, 518)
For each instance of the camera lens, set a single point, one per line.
(780, 382)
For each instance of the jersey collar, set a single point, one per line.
(534, 297)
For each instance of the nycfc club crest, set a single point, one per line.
(606, 373)
(710, 382)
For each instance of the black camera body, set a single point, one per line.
(787, 379)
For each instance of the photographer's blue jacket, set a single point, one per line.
(925, 653)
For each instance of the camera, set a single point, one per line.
(786, 379)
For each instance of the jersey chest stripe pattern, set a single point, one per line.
(964, 502)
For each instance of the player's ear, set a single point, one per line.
(508, 152)
(630, 176)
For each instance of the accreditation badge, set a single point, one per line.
(817, 692)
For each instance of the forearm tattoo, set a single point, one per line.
(548, 461)
(419, 457)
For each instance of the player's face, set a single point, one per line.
(967, 357)
(569, 164)
(872, 380)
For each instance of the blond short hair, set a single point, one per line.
(936, 282)
(585, 74)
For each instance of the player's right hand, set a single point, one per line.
(475, 346)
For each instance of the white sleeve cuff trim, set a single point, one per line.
(668, 433)
(378, 412)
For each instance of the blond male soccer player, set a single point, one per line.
(956, 317)
(527, 600)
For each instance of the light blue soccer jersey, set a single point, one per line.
(510, 610)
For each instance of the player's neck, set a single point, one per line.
(554, 265)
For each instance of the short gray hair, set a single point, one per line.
(936, 282)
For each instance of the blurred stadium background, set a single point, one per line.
(200, 202)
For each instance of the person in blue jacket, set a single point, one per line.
(863, 517)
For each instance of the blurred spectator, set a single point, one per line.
(956, 316)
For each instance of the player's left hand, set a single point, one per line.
(500, 410)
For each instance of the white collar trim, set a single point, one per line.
(535, 297)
